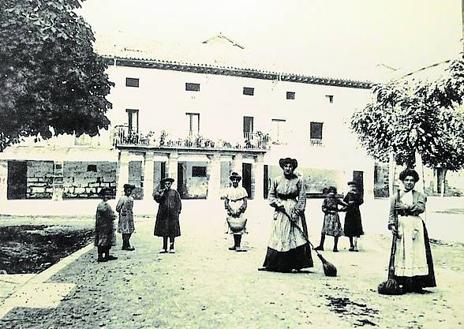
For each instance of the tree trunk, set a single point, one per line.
(391, 174)
(420, 185)
(443, 179)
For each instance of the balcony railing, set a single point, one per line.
(316, 142)
(124, 136)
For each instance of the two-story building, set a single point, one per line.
(197, 123)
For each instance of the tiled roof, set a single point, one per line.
(233, 71)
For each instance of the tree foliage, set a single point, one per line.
(409, 116)
(52, 82)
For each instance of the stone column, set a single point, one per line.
(58, 188)
(3, 181)
(171, 165)
(123, 172)
(237, 163)
(214, 177)
(148, 169)
(258, 177)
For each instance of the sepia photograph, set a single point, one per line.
(231, 164)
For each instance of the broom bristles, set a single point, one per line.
(328, 267)
(389, 287)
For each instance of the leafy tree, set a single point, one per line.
(408, 116)
(52, 82)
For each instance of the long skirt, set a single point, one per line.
(286, 261)
(413, 262)
(288, 249)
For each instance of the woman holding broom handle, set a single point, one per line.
(287, 249)
(412, 261)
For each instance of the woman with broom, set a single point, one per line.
(288, 249)
(411, 261)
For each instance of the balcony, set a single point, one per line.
(316, 142)
(123, 136)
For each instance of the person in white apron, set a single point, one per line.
(235, 203)
(412, 261)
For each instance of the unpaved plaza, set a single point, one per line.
(204, 285)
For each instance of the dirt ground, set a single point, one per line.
(204, 285)
(34, 248)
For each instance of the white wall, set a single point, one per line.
(162, 102)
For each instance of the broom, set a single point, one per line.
(328, 267)
(391, 286)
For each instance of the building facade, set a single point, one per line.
(198, 123)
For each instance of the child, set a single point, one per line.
(332, 225)
(126, 216)
(104, 229)
(353, 227)
(167, 218)
(235, 203)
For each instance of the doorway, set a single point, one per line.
(246, 178)
(17, 180)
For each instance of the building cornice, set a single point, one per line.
(234, 71)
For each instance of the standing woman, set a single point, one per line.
(104, 228)
(288, 249)
(353, 226)
(125, 208)
(235, 203)
(412, 261)
(167, 218)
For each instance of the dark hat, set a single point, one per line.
(352, 183)
(235, 175)
(129, 186)
(105, 191)
(167, 179)
(284, 161)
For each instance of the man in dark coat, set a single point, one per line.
(167, 218)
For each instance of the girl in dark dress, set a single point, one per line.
(353, 226)
(167, 218)
(104, 228)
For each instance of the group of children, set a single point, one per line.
(166, 225)
(105, 236)
(332, 226)
(167, 219)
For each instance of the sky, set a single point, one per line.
(357, 39)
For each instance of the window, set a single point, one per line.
(92, 168)
(248, 91)
(198, 171)
(132, 82)
(278, 130)
(247, 127)
(192, 86)
(132, 121)
(330, 98)
(290, 95)
(193, 123)
(315, 133)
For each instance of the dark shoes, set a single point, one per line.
(319, 248)
(335, 250)
(128, 248)
(232, 248)
(105, 259)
